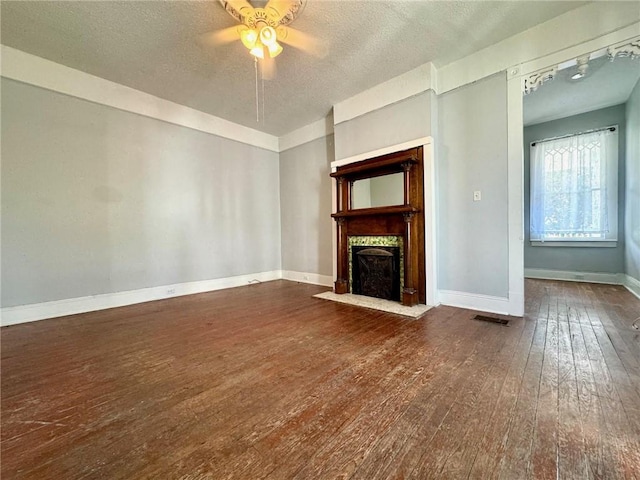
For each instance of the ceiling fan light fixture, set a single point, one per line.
(249, 38)
(268, 36)
(275, 49)
(257, 51)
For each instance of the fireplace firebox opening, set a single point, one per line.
(376, 272)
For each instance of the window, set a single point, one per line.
(574, 188)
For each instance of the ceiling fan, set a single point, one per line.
(262, 29)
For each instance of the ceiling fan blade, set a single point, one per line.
(285, 11)
(238, 9)
(221, 37)
(268, 66)
(302, 41)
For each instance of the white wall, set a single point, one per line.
(305, 197)
(472, 155)
(632, 218)
(96, 200)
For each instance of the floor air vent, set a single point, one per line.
(486, 318)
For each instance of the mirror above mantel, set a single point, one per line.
(381, 191)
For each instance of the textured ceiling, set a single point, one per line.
(153, 46)
(606, 84)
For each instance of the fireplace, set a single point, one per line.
(391, 262)
(376, 272)
(376, 265)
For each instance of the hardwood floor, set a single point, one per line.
(267, 382)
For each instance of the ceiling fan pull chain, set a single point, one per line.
(263, 100)
(255, 63)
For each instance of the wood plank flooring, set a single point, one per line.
(267, 382)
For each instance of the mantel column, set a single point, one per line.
(341, 284)
(407, 182)
(409, 293)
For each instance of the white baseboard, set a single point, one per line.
(475, 301)
(313, 278)
(632, 284)
(71, 306)
(590, 277)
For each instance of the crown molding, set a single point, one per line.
(407, 85)
(534, 80)
(529, 53)
(574, 33)
(628, 49)
(318, 129)
(33, 70)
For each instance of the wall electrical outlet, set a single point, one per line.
(477, 196)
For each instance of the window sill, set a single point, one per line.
(589, 244)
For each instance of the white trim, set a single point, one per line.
(430, 224)
(558, 36)
(632, 284)
(474, 301)
(403, 86)
(515, 202)
(569, 243)
(570, 276)
(515, 86)
(27, 68)
(312, 278)
(308, 133)
(430, 237)
(596, 46)
(72, 306)
(418, 142)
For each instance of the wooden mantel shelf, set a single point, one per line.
(397, 209)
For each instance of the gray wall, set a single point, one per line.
(632, 227)
(472, 155)
(576, 259)
(305, 197)
(97, 200)
(391, 125)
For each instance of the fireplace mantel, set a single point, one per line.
(405, 220)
